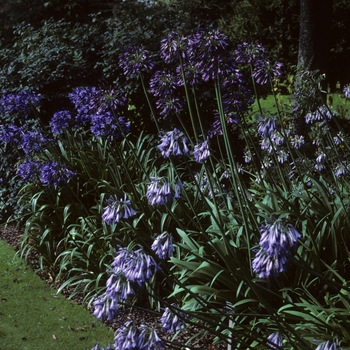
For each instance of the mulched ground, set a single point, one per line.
(12, 236)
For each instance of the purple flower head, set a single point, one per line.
(117, 209)
(60, 121)
(173, 46)
(169, 105)
(55, 174)
(32, 142)
(174, 143)
(131, 337)
(108, 125)
(297, 141)
(247, 53)
(21, 103)
(135, 61)
(275, 341)
(159, 191)
(164, 83)
(264, 71)
(29, 170)
(163, 245)
(213, 58)
(137, 266)
(105, 308)
(346, 91)
(266, 126)
(119, 288)
(201, 152)
(277, 242)
(107, 100)
(11, 133)
(171, 322)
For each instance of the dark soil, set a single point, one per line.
(12, 235)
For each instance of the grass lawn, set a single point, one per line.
(33, 316)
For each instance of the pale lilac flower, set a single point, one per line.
(342, 169)
(159, 191)
(105, 308)
(275, 341)
(321, 114)
(297, 141)
(266, 125)
(328, 345)
(171, 322)
(277, 243)
(347, 91)
(163, 245)
(117, 209)
(201, 152)
(174, 143)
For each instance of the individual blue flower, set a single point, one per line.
(266, 126)
(346, 91)
(275, 341)
(60, 121)
(136, 265)
(277, 243)
(163, 245)
(29, 170)
(201, 152)
(135, 60)
(55, 174)
(174, 143)
(117, 209)
(170, 321)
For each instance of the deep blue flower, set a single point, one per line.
(174, 143)
(164, 83)
(247, 53)
(117, 209)
(60, 121)
(171, 322)
(108, 125)
(173, 46)
(29, 170)
(169, 105)
(10, 133)
(163, 245)
(135, 60)
(346, 91)
(277, 243)
(201, 152)
(32, 141)
(275, 341)
(20, 103)
(55, 174)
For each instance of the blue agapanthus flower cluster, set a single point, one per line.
(54, 174)
(160, 191)
(321, 114)
(19, 103)
(171, 322)
(10, 133)
(277, 242)
(266, 125)
(108, 125)
(132, 337)
(32, 142)
(346, 91)
(163, 245)
(29, 170)
(117, 209)
(173, 143)
(60, 121)
(201, 152)
(136, 60)
(328, 345)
